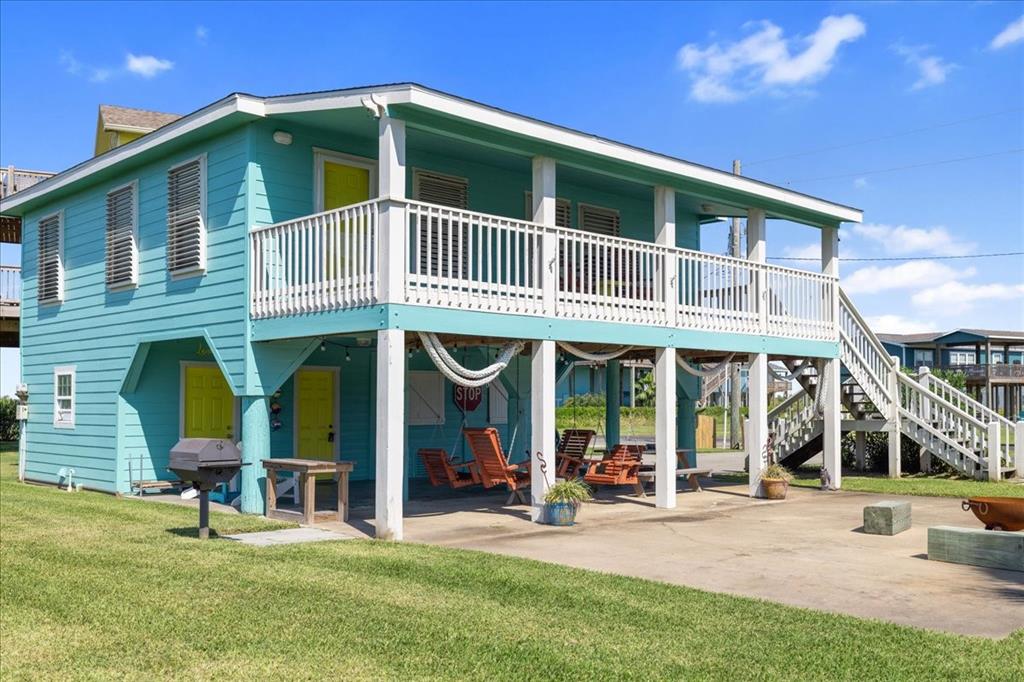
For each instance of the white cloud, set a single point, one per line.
(763, 60)
(931, 69)
(860, 183)
(1013, 33)
(146, 65)
(900, 240)
(874, 279)
(954, 297)
(202, 33)
(897, 324)
(70, 64)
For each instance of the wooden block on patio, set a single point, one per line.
(977, 547)
(886, 518)
(306, 470)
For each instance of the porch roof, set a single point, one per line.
(435, 110)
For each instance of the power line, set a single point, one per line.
(909, 167)
(904, 258)
(882, 138)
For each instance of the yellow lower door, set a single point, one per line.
(209, 403)
(314, 419)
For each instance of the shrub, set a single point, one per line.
(8, 423)
(573, 491)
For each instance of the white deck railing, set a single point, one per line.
(475, 261)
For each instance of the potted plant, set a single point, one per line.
(563, 500)
(775, 478)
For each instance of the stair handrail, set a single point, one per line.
(980, 431)
(848, 304)
(975, 405)
(881, 386)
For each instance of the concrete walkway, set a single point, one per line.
(808, 551)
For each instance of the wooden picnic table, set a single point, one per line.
(306, 470)
(647, 473)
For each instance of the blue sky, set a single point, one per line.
(817, 84)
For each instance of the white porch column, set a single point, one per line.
(924, 378)
(391, 186)
(544, 204)
(756, 436)
(832, 428)
(994, 452)
(542, 419)
(390, 473)
(895, 463)
(665, 235)
(665, 428)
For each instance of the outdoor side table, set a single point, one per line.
(306, 470)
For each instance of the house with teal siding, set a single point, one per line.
(281, 271)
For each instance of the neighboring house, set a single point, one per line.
(991, 361)
(117, 126)
(259, 270)
(12, 180)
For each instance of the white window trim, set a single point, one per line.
(336, 371)
(204, 233)
(440, 407)
(61, 269)
(236, 408)
(581, 209)
(134, 184)
(417, 174)
(59, 371)
(320, 155)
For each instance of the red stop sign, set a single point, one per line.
(467, 399)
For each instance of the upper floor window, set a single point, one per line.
(186, 217)
(599, 220)
(122, 237)
(64, 397)
(997, 358)
(563, 210)
(922, 357)
(961, 357)
(51, 258)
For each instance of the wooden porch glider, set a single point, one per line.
(441, 470)
(572, 448)
(493, 464)
(619, 467)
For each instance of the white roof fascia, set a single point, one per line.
(183, 126)
(345, 99)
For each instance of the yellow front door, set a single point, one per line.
(209, 403)
(314, 421)
(344, 185)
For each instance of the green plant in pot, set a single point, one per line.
(563, 500)
(775, 479)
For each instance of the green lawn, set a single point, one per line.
(914, 484)
(96, 587)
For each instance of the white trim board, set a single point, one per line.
(320, 155)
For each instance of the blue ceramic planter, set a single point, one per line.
(560, 513)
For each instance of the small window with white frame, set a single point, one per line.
(50, 285)
(64, 397)
(122, 236)
(923, 358)
(961, 357)
(186, 217)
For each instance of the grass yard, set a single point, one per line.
(934, 485)
(97, 587)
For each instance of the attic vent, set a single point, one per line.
(51, 259)
(446, 190)
(122, 250)
(440, 239)
(186, 220)
(599, 220)
(563, 210)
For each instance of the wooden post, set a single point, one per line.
(735, 385)
(831, 378)
(665, 235)
(1018, 447)
(994, 452)
(757, 252)
(613, 401)
(858, 449)
(895, 464)
(542, 418)
(544, 209)
(255, 447)
(391, 186)
(924, 377)
(665, 427)
(756, 437)
(390, 450)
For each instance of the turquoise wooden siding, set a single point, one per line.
(97, 330)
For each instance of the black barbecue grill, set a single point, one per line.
(206, 463)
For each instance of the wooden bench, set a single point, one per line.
(691, 474)
(306, 470)
(142, 486)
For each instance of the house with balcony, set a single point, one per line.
(316, 275)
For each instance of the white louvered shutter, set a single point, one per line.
(51, 260)
(599, 220)
(604, 221)
(443, 190)
(186, 231)
(122, 258)
(563, 210)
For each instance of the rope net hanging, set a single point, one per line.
(456, 373)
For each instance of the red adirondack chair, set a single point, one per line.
(493, 464)
(619, 467)
(442, 471)
(572, 448)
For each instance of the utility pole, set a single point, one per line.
(735, 389)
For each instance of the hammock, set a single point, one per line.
(460, 375)
(594, 357)
(704, 373)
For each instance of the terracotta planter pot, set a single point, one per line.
(775, 488)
